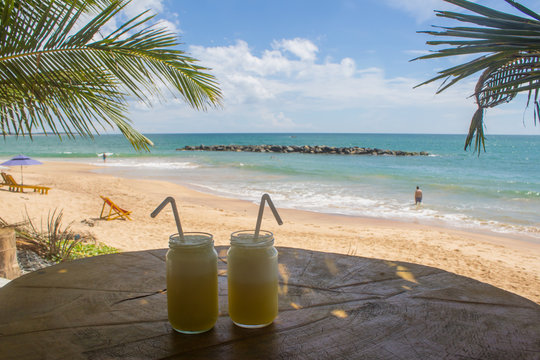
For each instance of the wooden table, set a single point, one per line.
(331, 307)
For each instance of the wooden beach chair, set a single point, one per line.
(115, 212)
(5, 182)
(12, 185)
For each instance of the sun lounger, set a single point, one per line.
(14, 186)
(115, 212)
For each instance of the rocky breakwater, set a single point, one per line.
(306, 149)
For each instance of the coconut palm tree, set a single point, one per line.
(509, 58)
(61, 73)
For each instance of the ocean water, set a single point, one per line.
(498, 191)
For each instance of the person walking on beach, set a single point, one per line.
(417, 196)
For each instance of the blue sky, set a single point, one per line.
(319, 66)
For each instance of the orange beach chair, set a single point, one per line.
(115, 212)
(12, 185)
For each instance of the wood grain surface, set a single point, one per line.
(330, 307)
(9, 267)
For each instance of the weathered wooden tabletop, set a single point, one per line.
(330, 307)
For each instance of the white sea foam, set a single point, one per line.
(327, 199)
(138, 164)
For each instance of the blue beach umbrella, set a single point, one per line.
(21, 160)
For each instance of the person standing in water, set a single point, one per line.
(104, 157)
(417, 196)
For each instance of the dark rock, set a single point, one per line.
(306, 149)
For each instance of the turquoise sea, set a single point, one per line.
(498, 191)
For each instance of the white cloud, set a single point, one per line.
(289, 87)
(247, 88)
(272, 79)
(348, 67)
(136, 7)
(246, 77)
(169, 25)
(272, 92)
(302, 48)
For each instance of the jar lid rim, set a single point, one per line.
(191, 239)
(246, 238)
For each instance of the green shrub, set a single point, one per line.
(83, 249)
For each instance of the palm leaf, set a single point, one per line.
(509, 60)
(69, 83)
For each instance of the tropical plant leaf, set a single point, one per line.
(66, 82)
(509, 58)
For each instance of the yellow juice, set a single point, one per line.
(253, 304)
(192, 302)
(252, 274)
(192, 288)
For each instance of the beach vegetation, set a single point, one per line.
(54, 242)
(508, 58)
(91, 248)
(66, 70)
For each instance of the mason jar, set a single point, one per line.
(252, 272)
(192, 283)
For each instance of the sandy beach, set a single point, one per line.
(505, 262)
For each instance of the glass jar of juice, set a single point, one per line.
(192, 283)
(252, 272)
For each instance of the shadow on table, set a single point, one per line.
(330, 306)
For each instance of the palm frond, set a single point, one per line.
(74, 83)
(509, 58)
